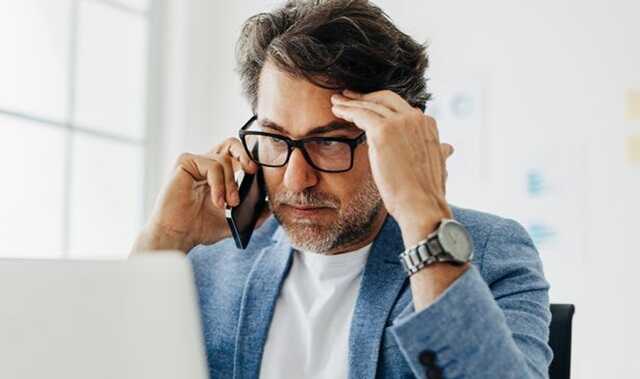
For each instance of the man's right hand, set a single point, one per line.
(190, 208)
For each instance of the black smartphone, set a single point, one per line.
(243, 217)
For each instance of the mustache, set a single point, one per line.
(306, 199)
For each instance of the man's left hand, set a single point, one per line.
(406, 156)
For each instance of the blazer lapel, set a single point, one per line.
(258, 303)
(382, 281)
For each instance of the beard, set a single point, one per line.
(354, 220)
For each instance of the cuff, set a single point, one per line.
(458, 335)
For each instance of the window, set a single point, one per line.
(72, 126)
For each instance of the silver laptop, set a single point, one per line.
(135, 318)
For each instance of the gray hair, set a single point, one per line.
(335, 44)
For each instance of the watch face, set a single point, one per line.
(455, 240)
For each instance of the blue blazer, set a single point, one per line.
(492, 322)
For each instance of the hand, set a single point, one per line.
(407, 159)
(190, 209)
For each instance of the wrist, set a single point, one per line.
(430, 282)
(158, 238)
(421, 222)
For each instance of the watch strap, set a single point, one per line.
(424, 253)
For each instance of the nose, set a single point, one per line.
(299, 175)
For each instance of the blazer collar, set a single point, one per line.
(382, 280)
(257, 304)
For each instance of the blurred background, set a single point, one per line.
(541, 100)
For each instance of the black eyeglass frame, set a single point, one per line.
(293, 144)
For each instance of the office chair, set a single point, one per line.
(560, 340)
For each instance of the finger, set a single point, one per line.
(387, 98)
(446, 150)
(234, 148)
(380, 109)
(239, 153)
(203, 168)
(445, 176)
(214, 150)
(232, 197)
(217, 149)
(432, 125)
(215, 179)
(364, 119)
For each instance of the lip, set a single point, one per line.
(306, 210)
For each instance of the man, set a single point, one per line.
(355, 175)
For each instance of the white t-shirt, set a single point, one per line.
(309, 332)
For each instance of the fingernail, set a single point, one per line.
(235, 198)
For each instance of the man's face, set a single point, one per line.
(342, 208)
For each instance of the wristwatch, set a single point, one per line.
(449, 243)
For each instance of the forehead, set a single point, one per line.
(293, 103)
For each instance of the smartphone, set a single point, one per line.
(243, 217)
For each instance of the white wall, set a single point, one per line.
(551, 78)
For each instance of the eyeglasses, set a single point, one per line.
(327, 154)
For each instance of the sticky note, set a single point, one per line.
(632, 105)
(633, 149)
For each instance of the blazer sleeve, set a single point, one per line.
(491, 322)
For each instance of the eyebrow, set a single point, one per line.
(330, 127)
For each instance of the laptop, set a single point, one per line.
(73, 319)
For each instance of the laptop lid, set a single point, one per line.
(135, 318)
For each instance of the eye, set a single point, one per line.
(326, 143)
(274, 141)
